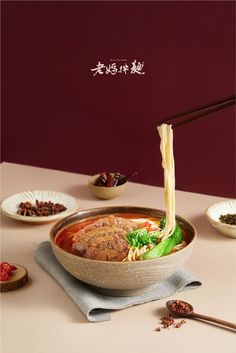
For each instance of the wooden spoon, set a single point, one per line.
(181, 308)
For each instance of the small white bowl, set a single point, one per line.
(10, 205)
(214, 212)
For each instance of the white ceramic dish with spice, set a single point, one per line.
(214, 212)
(10, 205)
(104, 192)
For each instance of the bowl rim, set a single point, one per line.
(115, 263)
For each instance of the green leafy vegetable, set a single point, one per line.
(162, 223)
(141, 237)
(165, 246)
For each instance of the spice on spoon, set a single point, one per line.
(180, 307)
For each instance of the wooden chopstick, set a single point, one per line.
(198, 113)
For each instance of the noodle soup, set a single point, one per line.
(117, 277)
(117, 237)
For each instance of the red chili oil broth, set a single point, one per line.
(64, 238)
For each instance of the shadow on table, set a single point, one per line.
(13, 223)
(81, 192)
(46, 301)
(205, 230)
(160, 312)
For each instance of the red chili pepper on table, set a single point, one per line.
(6, 270)
(13, 267)
(5, 266)
(4, 276)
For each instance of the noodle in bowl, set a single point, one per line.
(121, 278)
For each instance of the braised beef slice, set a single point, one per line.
(86, 240)
(109, 221)
(104, 239)
(108, 248)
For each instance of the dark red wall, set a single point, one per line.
(56, 114)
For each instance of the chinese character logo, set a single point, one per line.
(136, 68)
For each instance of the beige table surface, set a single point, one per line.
(41, 318)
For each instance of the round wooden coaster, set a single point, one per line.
(17, 280)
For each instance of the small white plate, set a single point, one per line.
(10, 205)
(214, 212)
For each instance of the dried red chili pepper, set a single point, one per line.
(109, 180)
(116, 179)
(13, 267)
(5, 266)
(6, 270)
(4, 276)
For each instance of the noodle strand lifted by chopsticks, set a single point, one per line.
(168, 164)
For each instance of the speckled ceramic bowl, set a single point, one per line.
(121, 278)
(214, 212)
(104, 192)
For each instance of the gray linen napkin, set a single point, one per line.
(95, 306)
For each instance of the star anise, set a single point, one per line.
(40, 209)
